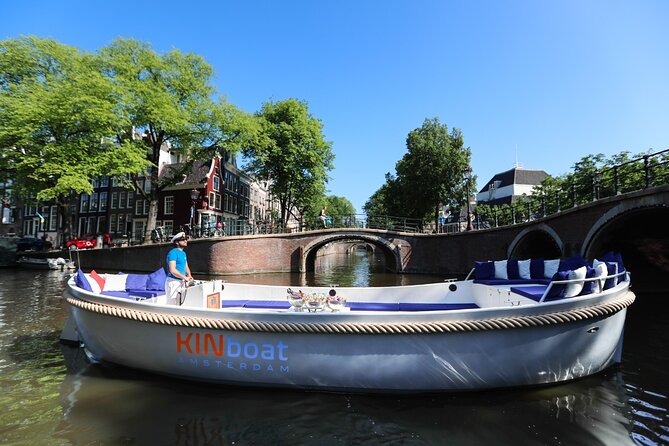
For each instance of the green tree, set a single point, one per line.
(57, 113)
(431, 173)
(341, 211)
(168, 99)
(290, 151)
(581, 179)
(386, 201)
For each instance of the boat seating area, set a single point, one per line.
(146, 286)
(355, 306)
(545, 280)
(126, 286)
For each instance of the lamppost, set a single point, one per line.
(468, 172)
(194, 195)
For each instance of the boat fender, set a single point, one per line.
(332, 293)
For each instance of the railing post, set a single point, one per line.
(557, 200)
(617, 179)
(595, 186)
(646, 169)
(573, 194)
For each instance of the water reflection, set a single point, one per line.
(52, 395)
(115, 405)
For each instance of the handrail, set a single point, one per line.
(584, 280)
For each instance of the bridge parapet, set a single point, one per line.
(587, 229)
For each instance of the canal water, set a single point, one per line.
(51, 395)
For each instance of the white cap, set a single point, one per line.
(178, 236)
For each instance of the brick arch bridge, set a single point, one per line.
(634, 223)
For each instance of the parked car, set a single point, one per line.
(88, 241)
(33, 244)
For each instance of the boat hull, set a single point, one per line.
(394, 362)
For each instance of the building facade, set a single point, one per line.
(507, 187)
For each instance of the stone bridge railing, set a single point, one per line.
(588, 229)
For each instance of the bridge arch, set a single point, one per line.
(622, 224)
(389, 249)
(536, 241)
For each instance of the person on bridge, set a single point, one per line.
(178, 271)
(323, 217)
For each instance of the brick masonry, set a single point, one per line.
(569, 232)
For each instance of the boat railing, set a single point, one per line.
(598, 282)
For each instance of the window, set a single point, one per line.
(114, 200)
(218, 201)
(102, 224)
(82, 226)
(168, 208)
(121, 223)
(139, 229)
(83, 206)
(94, 202)
(141, 207)
(129, 203)
(121, 200)
(113, 228)
(96, 183)
(105, 181)
(212, 200)
(216, 184)
(53, 218)
(103, 201)
(168, 228)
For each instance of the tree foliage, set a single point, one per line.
(340, 210)
(430, 174)
(57, 113)
(168, 98)
(67, 117)
(593, 176)
(291, 151)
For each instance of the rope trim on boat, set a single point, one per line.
(578, 314)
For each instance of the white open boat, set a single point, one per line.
(450, 336)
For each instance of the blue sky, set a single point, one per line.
(543, 82)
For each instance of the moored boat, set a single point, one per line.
(58, 263)
(483, 333)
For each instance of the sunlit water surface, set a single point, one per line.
(51, 395)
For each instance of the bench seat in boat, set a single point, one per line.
(512, 281)
(534, 292)
(133, 294)
(355, 306)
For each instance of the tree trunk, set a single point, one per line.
(66, 223)
(151, 218)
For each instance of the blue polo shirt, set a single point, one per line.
(179, 256)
